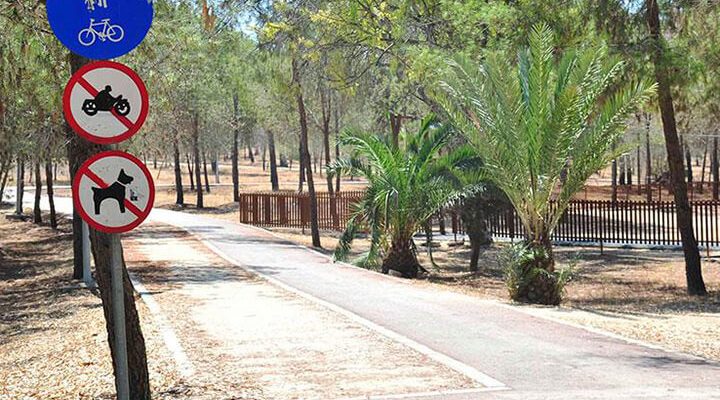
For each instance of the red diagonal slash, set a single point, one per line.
(98, 181)
(94, 92)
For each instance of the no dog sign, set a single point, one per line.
(113, 192)
(105, 102)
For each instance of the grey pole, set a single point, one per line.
(87, 275)
(118, 308)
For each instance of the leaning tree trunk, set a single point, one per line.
(205, 172)
(78, 151)
(693, 270)
(37, 212)
(314, 226)
(196, 154)
(50, 193)
(402, 257)
(179, 194)
(235, 149)
(274, 182)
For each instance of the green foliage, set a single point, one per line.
(405, 186)
(554, 114)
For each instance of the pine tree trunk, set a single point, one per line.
(235, 150)
(205, 172)
(196, 154)
(179, 193)
(614, 175)
(250, 154)
(37, 212)
(190, 172)
(693, 271)
(314, 226)
(51, 193)
(702, 169)
(337, 146)
(648, 160)
(5, 173)
(19, 186)
(715, 170)
(78, 151)
(274, 183)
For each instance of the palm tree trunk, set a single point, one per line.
(693, 271)
(402, 258)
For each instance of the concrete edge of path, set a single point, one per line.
(183, 363)
(489, 383)
(527, 310)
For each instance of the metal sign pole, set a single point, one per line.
(87, 274)
(118, 306)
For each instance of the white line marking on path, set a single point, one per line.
(171, 340)
(472, 373)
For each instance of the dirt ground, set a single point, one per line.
(53, 340)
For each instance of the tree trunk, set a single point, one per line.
(693, 271)
(639, 173)
(51, 193)
(395, 125)
(401, 258)
(702, 169)
(205, 172)
(235, 150)
(3, 181)
(179, 193)
(648, 160)
(196, 154)
(337, 146)
(688, 162)
(190, 172)
(715, 170)
(250, 154)
(273, 161)
(303, 165)
(314, 227)
(37, 212)
(326, 114)
(19, 186)
(614, 175)
(78, 151)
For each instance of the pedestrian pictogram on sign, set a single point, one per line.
(113, 192)
(100, 29)
(105, 102)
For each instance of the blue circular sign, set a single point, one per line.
(100, 29)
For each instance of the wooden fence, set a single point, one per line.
(292, 210)
(585, 221)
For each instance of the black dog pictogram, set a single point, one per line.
(115, 191)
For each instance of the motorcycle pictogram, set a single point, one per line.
(104, 101)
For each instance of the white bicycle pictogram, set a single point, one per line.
(113, 33)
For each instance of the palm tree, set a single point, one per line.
(405, 188)
(542, 130)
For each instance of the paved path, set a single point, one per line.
(533, 357)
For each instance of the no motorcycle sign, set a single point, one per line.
(113, 192)
(105, 102)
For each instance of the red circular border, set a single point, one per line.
(76, 188)
(113, 65)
